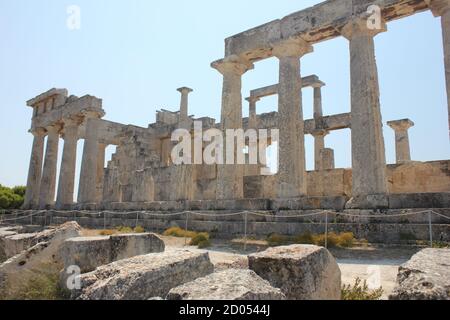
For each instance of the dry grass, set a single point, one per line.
(200, 239)
(343, 240)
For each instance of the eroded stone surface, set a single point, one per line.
(425, 277)
(302, 272)
(231, 284)
(143, 277)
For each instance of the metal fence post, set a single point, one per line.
(137, 219)
(431, 229)
(326, 229)
(186, 227)
(245, 230)
(104, 220)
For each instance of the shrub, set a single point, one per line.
(276, 239)
(123, 229)
(204, 244)
(107, 232)
(306, 238)
(139, 229)
(360, 291)
(346, 239)
(200, 237)
(180, 233)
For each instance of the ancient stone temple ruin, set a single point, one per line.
(141, 174)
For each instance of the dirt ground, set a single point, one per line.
(378, 265)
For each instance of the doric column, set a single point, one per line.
(230, 178)
(184, 116)
(252, 120)
(87, 193)
(292, 169)
(35, 170)
(440, 8)
(327, 156)
(100, 171)
(319, 145)
(402, 149)
(318, 111)
(48, 181)
(368, 153)
(66, 183)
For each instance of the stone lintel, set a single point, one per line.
(309, 81)
(46, 95)
(400, 125)
(360, 26)
(72, 109)
(314, 24)
(438, 7)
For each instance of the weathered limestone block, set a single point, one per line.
(38, 258)
(17, 243)
(88, 253)
(231, 284)
(4, 232)
(143, 277)
(425, 277)
(302, 272)
(129, 245)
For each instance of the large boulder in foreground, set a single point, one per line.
(231, 284)
(143, 277)
(425, 277)
(17, 271)
(88, 253)
(302, 272)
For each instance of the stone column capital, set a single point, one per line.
(362, 26)
(401, 125)
(185, 90)
(438, 7)
(291, 48)
(232, 65)
(54, 128)
(320, 133)
(252, 99)
(38, 132)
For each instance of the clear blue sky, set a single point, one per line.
(135, 53)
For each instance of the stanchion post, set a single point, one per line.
(326, 230)
(245, 230)
(186, 227)
(137, 219)
(104, 220)
(431, 229)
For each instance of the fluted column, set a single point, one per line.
(252, 120)
(441, 8)
(292, 169)
(48, 181)
(368, 152)
(230, 177)
(319, 145)
(35, 170)
(184, 115)
(66, 185)
(87, 193)
(402, 148)
(100, 170)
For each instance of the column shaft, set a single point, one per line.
(291, 164)
(230, 177)
(87, 193)
(445, 22)
(319, 145)
(100, 171)
(48, 181)
(368, 152)
(66, 184)
(35, 171)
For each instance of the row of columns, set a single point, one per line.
(42, 174)
(368, 152)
